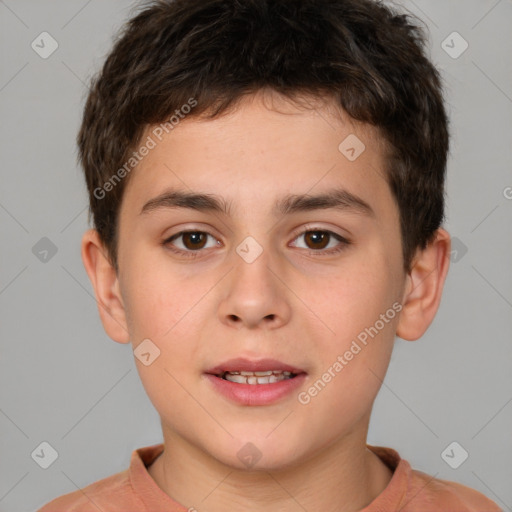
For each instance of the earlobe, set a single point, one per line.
(424, 287)
(106, 287)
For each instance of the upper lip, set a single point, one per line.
(247, 365)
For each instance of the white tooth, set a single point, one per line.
(236, 378)
(270, 379)
(266, 373)
(253, 379)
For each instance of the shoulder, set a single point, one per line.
(436, 494)
(113, 493)
(410, 490)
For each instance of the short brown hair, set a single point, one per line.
(365, 55)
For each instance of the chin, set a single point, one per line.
(259, 454)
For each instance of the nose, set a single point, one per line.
(256, 296)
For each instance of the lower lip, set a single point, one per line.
(256, 394)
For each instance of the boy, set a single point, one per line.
(266, 179)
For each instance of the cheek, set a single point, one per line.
(361, 310)
(353, 362)
(167, 310)
(354, 298)
(170, 309)
(157, 298)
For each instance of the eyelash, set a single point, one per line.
(320, 252)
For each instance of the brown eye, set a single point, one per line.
(322, 242)
(194, 240)
(190, 243)
(317, 239)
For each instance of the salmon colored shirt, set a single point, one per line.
(133, 490)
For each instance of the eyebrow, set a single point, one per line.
(338, 199)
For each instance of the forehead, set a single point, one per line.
(267, 144)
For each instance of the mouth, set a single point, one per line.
(255, 382)
(262, 371)
(264, 377)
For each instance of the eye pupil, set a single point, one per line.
(195, 236)
(317, 237)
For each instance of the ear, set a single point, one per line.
(105, 282)
(424, 287)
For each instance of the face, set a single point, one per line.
(266, 275)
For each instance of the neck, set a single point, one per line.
(344, 476)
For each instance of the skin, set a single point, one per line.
(290, 304)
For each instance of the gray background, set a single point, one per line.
(63, 381)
